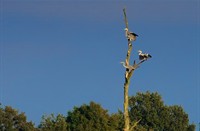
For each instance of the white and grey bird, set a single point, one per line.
(129, 67)
(130, 35)
(143, 56)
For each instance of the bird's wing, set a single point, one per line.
(133, 34)
(141, 57)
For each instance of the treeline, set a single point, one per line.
(147, 111)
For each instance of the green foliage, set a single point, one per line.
(117, 121)
(90, 117)
(52, 123)
(191, 127)
(147, 109)
(156, 116)
(12, 120)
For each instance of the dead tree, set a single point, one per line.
(129, 72)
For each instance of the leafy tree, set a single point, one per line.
(117, 121)
(154, 115)
(90, 117)
(12, 120)
(191, 127)
(147, 111)
(52, 123)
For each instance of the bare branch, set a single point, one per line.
(125, 18)
(135, 124)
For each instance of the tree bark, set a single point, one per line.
(127, 82)
(128, 75)
(126, 87)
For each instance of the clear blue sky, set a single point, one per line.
(59, 54)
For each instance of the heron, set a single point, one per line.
(143, 56)
(130, 35)
(129, 67)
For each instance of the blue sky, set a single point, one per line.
(59, 54)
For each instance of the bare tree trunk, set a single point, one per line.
(127, 125)
(128, 75)
(127, 82)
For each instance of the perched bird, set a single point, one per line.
(129, 67)
(143, 56)
(130, 35)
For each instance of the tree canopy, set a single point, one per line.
(53, 123)
(12, 120)
(147, 112)
(154, 115)
(90, 117)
